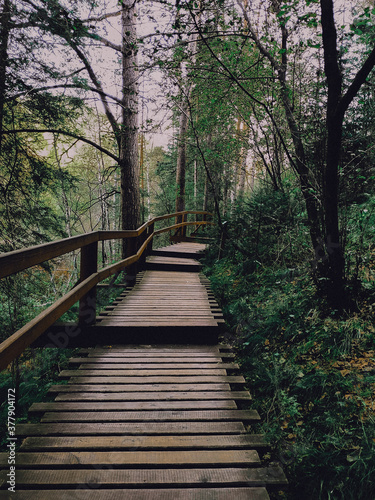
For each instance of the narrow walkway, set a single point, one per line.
(147, 422)
(164, 298)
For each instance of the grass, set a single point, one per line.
(310, 371)
(312, 379)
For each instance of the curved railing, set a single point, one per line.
(139, 245)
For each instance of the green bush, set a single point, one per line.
(309, 371)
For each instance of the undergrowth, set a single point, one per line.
(311, 374)
(31, 375)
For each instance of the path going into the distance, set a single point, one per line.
(155, 421)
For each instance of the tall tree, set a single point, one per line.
(79, 33)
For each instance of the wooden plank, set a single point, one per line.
(150, 477)
(106, 388)
(89, 364)
(130, 405)
(152, 416)
(139, 360)
(141, 356)
(157, 314)
(155, 350)
(137, 442)
(123, 459)
(246, 493)
(155, 396)
(121, 428)
(139, 322)
(162, 380)
(213, 372)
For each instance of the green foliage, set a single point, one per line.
(310, 374)
(31, 376)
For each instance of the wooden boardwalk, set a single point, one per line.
(145, 422)
(164, 299)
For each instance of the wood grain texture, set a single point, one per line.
(148, 422)
(241, 493)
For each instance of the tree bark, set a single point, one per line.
(128, 153)
(181, 160)
(4, 38)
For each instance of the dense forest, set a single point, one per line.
(260, 111)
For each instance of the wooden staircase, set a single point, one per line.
(145, 422)
(148, 421)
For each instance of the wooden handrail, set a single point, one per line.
(19, 260)
(23, 259)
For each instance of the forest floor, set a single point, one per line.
(312, 377)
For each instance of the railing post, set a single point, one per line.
(89, 265)
(183, 229)
(178, 221)
(150, 230)
(131, 249)
(204, 219)
(142, 238)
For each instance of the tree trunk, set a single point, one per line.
(128, 153)
(335, 262)
(4, 38)
(181, 160)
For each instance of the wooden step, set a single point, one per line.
(109, 443)
(108, 388)
(132, 405)
(147, 422)
(155, 396)
(241, 493)
(129, 428)
(211, 372)
(149, 477)
(151, 416)
(93, 363)
(125, 459)
(163, 380)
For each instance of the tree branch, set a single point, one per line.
(102, 18)
(255, 39)
(62, 132)
(64, 86)
(98, 86)
(106, 42)
(356, 84)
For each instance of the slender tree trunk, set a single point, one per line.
(181, 160)
(195, 181)
(205, 194)
(242, 179)
(4, 39)
(334, 251)
(128, 154)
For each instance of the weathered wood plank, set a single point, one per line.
(137, 388)
(155, 396)
(130, 405)
(247, 493)
(142, 373)
(139, 322)
(151, 416)
(137, 442)
(162, 379)
(88, 364)
(121, 428)
(150, 477)
(122, 459)
(156, 356)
